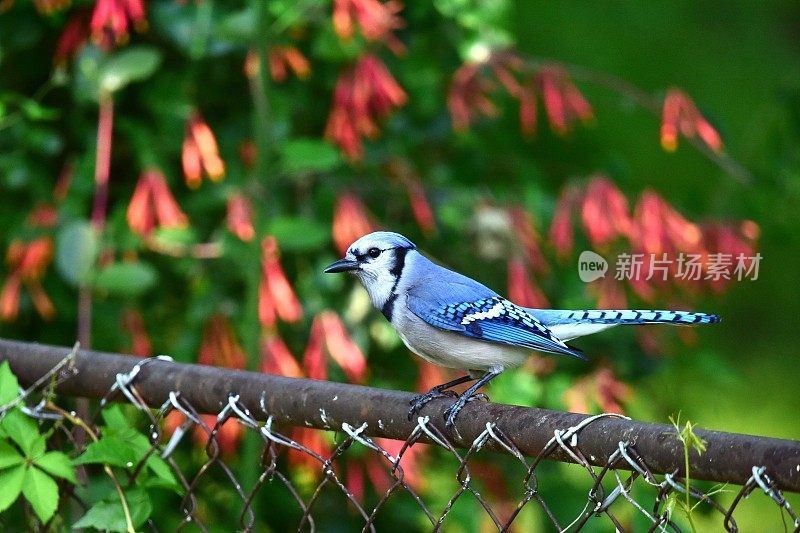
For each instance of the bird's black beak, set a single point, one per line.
(342, 265)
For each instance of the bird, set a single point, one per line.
(453, 321)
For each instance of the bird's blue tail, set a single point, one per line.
(551, 317)
(568, 324)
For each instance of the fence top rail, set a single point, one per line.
(729, 457)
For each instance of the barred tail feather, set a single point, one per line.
(640, 316)
(567, 324)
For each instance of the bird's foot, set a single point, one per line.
(418, 402)
(452, 411)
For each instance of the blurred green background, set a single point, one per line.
(738, 61)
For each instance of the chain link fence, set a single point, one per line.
(627, 475)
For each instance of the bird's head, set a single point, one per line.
(377, 259)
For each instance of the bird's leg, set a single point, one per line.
(436, 392)
(452, 411)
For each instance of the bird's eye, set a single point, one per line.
(373, 252)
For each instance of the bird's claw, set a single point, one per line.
(452, 411)
(418, 402)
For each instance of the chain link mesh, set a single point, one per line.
(623, 495)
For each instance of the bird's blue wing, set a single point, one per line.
(489, 317)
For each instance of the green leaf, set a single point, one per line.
(308, 155)
(161, 469)
(111, 449)
(115, 418)
(9, 386)
(22, 430)
(57, 464)
(126, 279)
(76, 251)
(109, 515)
(9, 456)
(42, 493)
(129, 65)
(299, 234)
(38, 447)
(11, 481)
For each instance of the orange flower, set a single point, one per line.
(240, 217)
(377, 21)
(200, 152)
(275, 291)
(152, 205)
(680, 114)
(604, 212)
(401, 169)
(111, 20)
(133, 323)
(314, 356)
(219, 346)
(521, 288)
(363, 94)
(283, 59)
(277, 359)
(468, 97)
(563, 102)
(601, 388)
(341, 347)
(528, 238)
(658, 228)
(27, 264)
(350, 221)
(561, 233)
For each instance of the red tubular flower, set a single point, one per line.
(521, 288)
(43, 216)
(376, 20)
(219, 346)
(563, 102)
(275, 286)
(133, 323)
(111, 20)
(658, 228)
(601, 388)
(200, 152)
(277, 359)
(350, 221)
(363, 94)
(152, 205)
(680, 114)
(314, 356)
(341, 347)
(73, 37)
(604, 212)
(283, 59)
(528, 238)
(420, 207)
(240, 217)
(27, 264)
(561, 233)
(468, 97)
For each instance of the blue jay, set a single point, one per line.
(454, 321)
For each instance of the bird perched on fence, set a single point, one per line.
(454, 321)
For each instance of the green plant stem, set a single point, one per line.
(77, 421)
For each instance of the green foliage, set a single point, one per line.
(271, 134)
(26, 466)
